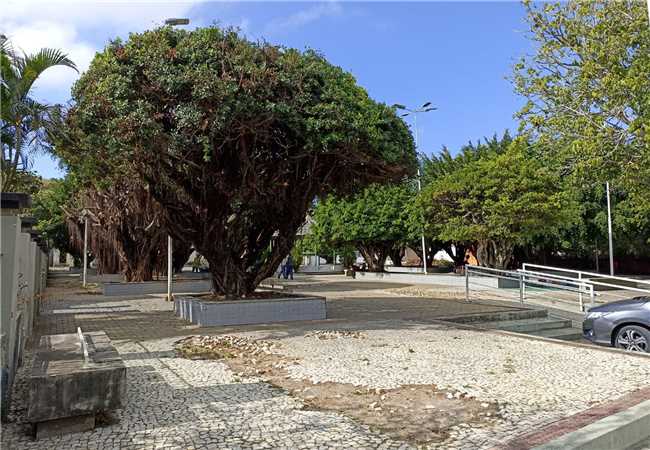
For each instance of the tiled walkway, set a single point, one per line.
(183, 404)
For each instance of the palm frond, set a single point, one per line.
(30, 67)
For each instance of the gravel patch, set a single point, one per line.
(524, 374)
(533, 382)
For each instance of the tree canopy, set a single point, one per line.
(499, 201)
(588, 111)
(376, 222)
(48, 208)
(234, 139)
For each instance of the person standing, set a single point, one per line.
(196, 264)
(282, 269)
(289, 268)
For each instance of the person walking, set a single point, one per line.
(288, 268)
(282, 269)
(196, 264)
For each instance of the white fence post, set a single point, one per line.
(580, 293)
(466, 283)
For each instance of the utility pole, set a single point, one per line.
(414, 112)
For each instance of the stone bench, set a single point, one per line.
(74, 377)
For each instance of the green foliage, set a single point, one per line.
(499, 201)
(26, 181)
(588, 107)
(24, 121)
(444, 163)
(49, 208)
(233, 138)
(374, 221)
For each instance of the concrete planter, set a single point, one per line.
(247, 312)
(157, 287)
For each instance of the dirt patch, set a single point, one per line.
(417, 414)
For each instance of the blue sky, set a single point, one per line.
(455, 54)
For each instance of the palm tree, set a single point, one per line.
(23, 120)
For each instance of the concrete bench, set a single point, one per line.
(74, 377)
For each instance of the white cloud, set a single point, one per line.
(29, 38)
(305, 17)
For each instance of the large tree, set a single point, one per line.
(499, 201)
(376, 222)
(443, 165)
(234, 139)
(588, 91)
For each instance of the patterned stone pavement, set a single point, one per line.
(184, 404)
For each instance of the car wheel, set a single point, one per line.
(633, 338)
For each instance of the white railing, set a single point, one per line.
(608, 287)
(552, 285)
(529, 284)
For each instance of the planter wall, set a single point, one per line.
(157, 287)
(247, 312)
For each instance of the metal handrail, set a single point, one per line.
(580, 272)
(534, 279)
(516, 276)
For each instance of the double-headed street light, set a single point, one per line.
(173, 22)
(414, 112)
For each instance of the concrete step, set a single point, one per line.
(529, 325)
(498, 316)
(565, 334)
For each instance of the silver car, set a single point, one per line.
(624, 324)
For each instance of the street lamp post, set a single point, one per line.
(414, 112)
(609, 231)
(84, 214)
(170, 271)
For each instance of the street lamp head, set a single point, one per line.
(432, 108)
(404, 115)
(426, 104)
(173, 22)
(399, 106)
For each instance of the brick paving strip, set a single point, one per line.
(572, 423)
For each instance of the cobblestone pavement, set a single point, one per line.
(534, 382)
(182, 404)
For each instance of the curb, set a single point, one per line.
(621, 430)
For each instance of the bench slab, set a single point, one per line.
(67, 381)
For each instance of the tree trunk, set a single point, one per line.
(181, 251)
(10, 172)
(418, 251)
(495, 254)
(396, 254)
(375, 255)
